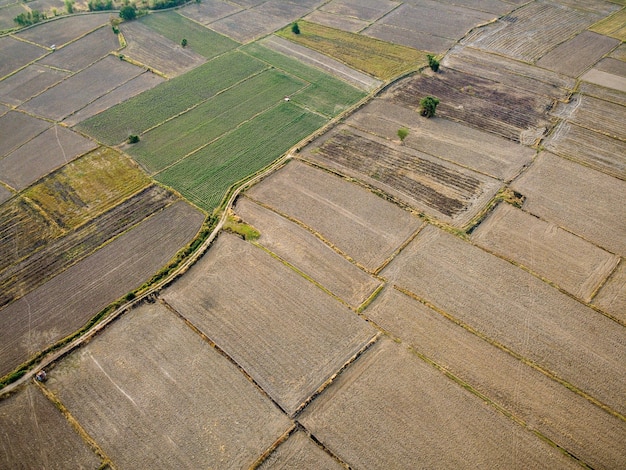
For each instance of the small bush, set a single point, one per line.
(295, 29)
(429, 106)
(183, 43)
(133, 139)
(128, 13)
(402, 133)
(433, 63)
(100, 5)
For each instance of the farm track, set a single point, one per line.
(33, 271)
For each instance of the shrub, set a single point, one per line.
(69, 6)
(183, 42)
(402, 133)
(128, 13)
(295, 29)
(133, 139)
(100, 5)
(429, 106)
(433, 63)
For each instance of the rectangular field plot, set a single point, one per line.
(595, 114)
(532, 30)
(82, 53)
(32, 271)
(614, 25)
(173, 140)
(49, 150)
(157, 52)
(438, 188)
(368, 10)
(576, 55)
(331, 20)
(596, 150)
(18, 128)
(609, 91)
(451, 141)
(300, 451)
(93, 82)
(171, 98)
(569, 420)
(200, 39)
(247, 25)
(361, 225)
(606, 79)
(556, 255)
(85, 188)
(28, 82)
(174, 402)
(612, 296)
(513, 308)
(5, 194)
(67, 302)
(389, 406)
(63, 29)
(378, 58)
(486, 104)
(281, 329)
(208, 11)
(576, 198)
(36, 435)
(308, 254)
(205, 176)
(17, 54)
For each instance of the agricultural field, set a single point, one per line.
(208, 11)
(612, 296)
(344, 23)
(531, 397)
(171, 98)
(586, 205)
(208, 412)
(556, 334)
(613, 26)
(17, 54)
(17, 129)
(282, 330)
(69, 300)
(63, 30)
(368, 10)
(300, 451)
(308, 254)
(613, 94)
(435, 187)
(28, 82)
(572, 263)
(392, 407)
(594, 114)
(380, 59)
(349, 218)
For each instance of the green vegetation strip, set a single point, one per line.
(373, 56)
(614, 25)
(190, 131)
(201, 40)
(326, 95)
(165, 101)
(205, 176)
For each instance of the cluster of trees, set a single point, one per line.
(100, 5)
(30, 17)
(162, 4)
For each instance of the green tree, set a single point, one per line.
(183, 42)
(69, 6)
(402, 133)
(429, 106)
(133, 139)
(433, 63)
(295, 29)
(128, 13)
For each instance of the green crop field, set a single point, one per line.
(170, 98)
(326, 95)
(190, 131)
(205, 176)
(378, 58)
(202, 40)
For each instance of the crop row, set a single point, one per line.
(170, 98)
(205, 176)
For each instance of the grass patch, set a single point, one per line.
(87, 187)
(234, 224)
(221, 114)
(205, 176)
(170, 98)
(378, 58)
(613, 26)
(201, 40)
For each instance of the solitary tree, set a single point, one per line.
(133, 139)
(183, 42)
(295, 29)
(128, 13)
(433, 63)
(69, 6)
(429, 106)
(402, 133)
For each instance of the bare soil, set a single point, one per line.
(365, 10)
(352, 25)
(301, 452)
(612, 296)
(64, 29)
(16, 54)
(208, 11)
(28, 82)
(18, 128)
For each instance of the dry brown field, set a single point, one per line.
(513, 308)
(132, 87)
(612, 296)
(451, 141)
(248, 25)
(532, 398)
(9, 10)
(154, 51)
(282, 330)
(67, 301)
(287, 11)
(154, 394)
(577, 199)
(64, 30)
(605, 79)
(36, 435)
(596, 150)
(438, 188)
(308, 254)
(574, 56)
(619, 53)
(80, 54)
(5, 194)
(533, 30)
(392, 410)
(613, 94)
(17, 54)
(96, 80)
(363, 226)
(208, 11)
(34, 270)
(614, 25)
(301, 452)
(18, 128)
(49, 150)
(595, 114)
(498, 7)
(364, 10)
(352, 25)
(612, 66)
(486, 104)
(28, 82)
(571, 263)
